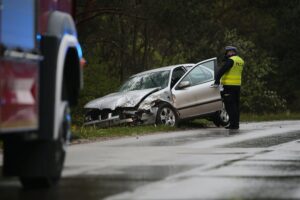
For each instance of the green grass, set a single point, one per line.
(115, 132)
(92, 133)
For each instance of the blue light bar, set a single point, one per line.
(79, 50)
(38, 37)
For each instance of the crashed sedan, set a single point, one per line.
(162, 96)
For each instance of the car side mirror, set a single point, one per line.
(183, 84)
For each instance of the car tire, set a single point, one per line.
(166, 115)
(38, 182)
(221, 118)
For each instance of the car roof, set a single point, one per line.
(171, 67)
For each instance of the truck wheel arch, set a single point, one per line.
(68, 73)
(61, 23)
(71, 77)
(68, 76)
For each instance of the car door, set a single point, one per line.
(193, 94)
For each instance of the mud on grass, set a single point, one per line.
(81, 134)
(85, 133)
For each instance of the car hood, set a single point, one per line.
(120, 99)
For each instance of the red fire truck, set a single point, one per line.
(40, 78)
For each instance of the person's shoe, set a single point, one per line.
(232, 127)
(228, 127)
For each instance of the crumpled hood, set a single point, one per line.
(120, 99)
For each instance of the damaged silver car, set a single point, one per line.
(162, 96)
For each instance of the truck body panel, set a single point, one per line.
(40, 79)
(21, 62)
(18, 92)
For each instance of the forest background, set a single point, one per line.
(124, 37)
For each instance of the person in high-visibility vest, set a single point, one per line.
(230, 76)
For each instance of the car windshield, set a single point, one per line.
(146, 81)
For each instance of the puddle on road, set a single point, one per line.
(271, 166)
(266, 141)
(93, 186)
(250, 188)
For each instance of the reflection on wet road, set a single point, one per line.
(261, 161)
(186, 139)
(93, 187)
(267, 141)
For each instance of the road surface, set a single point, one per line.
(260, 161)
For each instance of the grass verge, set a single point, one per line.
(93, 133)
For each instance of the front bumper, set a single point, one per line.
(126, 117)
(113, 121)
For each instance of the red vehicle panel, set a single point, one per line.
(18, 92)
(18, 77)
(40, 79)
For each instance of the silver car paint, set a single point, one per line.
(189, 102)
(182, 99)
(119, 99)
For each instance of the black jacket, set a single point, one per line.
(225, 68)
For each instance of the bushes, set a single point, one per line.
(123, 38)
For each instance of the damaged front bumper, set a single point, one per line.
(121, 117)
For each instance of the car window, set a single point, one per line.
(146, 81)
(199, 75)
(209, 64)
(177, 74)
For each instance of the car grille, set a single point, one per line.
(96, 114)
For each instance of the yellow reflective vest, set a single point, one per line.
(234, 75)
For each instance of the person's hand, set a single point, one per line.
(215, 85)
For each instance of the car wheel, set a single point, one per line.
(221, 118)
(166, 115)
(56, 153)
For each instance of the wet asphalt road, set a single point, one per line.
(260, 161)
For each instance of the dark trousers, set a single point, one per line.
(231, 98)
